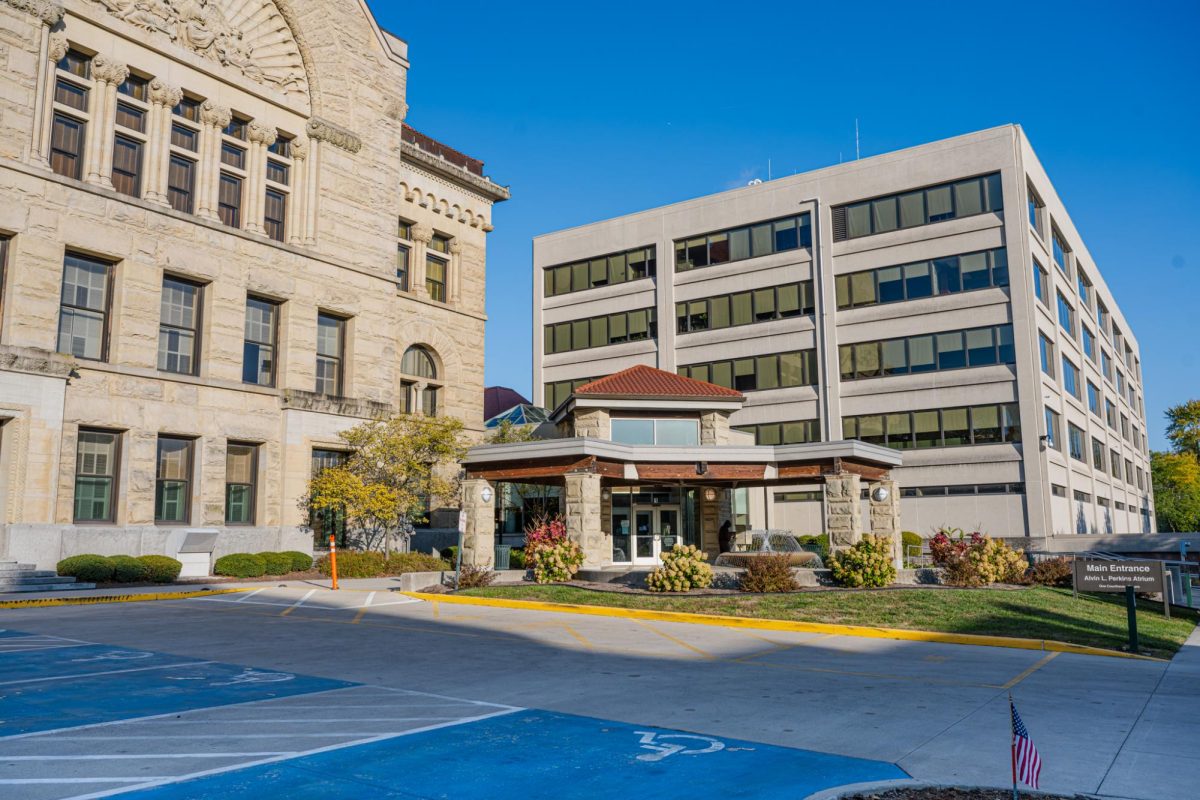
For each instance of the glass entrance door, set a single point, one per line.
(655, 529)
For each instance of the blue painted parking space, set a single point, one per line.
(539, 754)
(49, 687)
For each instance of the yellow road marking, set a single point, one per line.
(578, 636)
(1043, 661)
(743, 623)
(42, 602)
(674, 639)
(297, 604)
(359, 615)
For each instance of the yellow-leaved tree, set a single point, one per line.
(394, 467)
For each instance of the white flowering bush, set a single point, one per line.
(557, 562)
(684, 568)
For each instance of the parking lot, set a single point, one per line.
(310, 693)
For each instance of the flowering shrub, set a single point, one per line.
(683, 569)
(544, 532)
(976, 560)
(868, 564)
(554, 563)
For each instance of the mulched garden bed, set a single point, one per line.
(953, 793)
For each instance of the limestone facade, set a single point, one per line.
(843, 511)
(300, 186)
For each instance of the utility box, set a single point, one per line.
(195, 552)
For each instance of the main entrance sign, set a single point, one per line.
(1092, 575)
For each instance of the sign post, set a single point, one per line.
(462, 531)
(1131, 613)
(1130, 577)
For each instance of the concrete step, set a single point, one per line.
(35, 579)
(12, 566)
(47, 587)
(27, 573)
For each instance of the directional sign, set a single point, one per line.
(1146, 577)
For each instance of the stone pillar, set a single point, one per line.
(454, 272)
(422, 235)
(885, 517)
(297, 201)
(311, 193)
(479, 539)
(261, 137)
(710, 521)
(714, 428)
(55, 48)
(108, 75)
(583, 518)
(163, 98)
(843, 511)
(213, 119)
(593, 423)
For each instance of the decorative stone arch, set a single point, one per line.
(445, 352)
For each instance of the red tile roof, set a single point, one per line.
(644, 381)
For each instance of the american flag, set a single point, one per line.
(1027, 764)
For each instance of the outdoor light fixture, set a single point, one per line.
(880, 494)
(701, 467)
(605, 494)
(710, 494)
(485, 494)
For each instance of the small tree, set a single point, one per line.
(394, 466)
(1183, 427)
(507, 432)
(1176, 479)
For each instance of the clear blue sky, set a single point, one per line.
(592, 110)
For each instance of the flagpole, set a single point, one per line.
(1012, 744)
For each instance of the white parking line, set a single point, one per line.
(144, 756)
(370, 597)
(23, 781)
(106, 672)
(246, 597)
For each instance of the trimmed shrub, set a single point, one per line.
(473, 577)
(355, 564)
(771, 573)
(127, 569)
(276, 563)
(87, 567)
(1051, 572)
(301, 562)
(818, 544)
(450, 555)
(557, 562)
(910, 539)
(399, 563)
(516, 558)
(162, 569)
(684, 568)
(867, 564)
(240, 565)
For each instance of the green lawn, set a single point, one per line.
(1036, 613)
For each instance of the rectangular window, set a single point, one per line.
(921, 207)
(277, 172)
(1110, 414)
(1041, 284)
(1085, 289)
(83, 316)
(1089, 342)
(179, 326)
(403, 266)
(1036, 210)
(274, 214)
(1075, 442)
(229, 200)
(184, 137)
(173, 479)
(66, 146)
(127, 166)
(71, 95)
(625, 326)
(96, 459)
(1060, 249)
(1114, 463)
(233, 156)
(1046, 352)
(282, 146)
(236, 127)
(1098, 454)
(762, 305)
(331, 334)
(949, 275)
(188, 108)
(435, 278)
(1071, 378)
(134, 86)
(1093, 395)
(76, 63)
(783, 370)
(927, 353)
(128, 116)
(736, 244)
(1066, 315)
(241, 478)
(1053, 439)
(181, 184)
(440, 243)
(258, 349)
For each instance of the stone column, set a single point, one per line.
(213, 119)
(479, 539)
(55, 48)
(710, 522)
(843, 511)
(422, 235)
(311, 194)
(583, 518)
(453, 282)
(108, 75)
(885, 517)
(296, 202)
(261, 137)
(163, 98)
(714, 428)
(418, 390)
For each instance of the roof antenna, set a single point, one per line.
(857, 153)
(768, 169)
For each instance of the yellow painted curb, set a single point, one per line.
(39, 602)
(1048, 645)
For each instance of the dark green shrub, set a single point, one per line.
(276, 563)
(516, 558)
(818, 544)
(768, 574)
(127, 569)
(240, 565)
(910, 540)
(867, 564)
(355, 564)
(472, 577)
(301, 562)
(400, 563)
(162, 569)
(1051, 572)
(450, 555)
(87, 567)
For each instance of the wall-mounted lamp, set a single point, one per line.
(485, 494)
(880, 494)
(701, 467)
(710, 494)
(605, 494)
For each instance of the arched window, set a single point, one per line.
(418, 367)
(418, 361)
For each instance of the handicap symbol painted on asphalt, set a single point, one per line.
(655, 742)
(254, 676)
(115, 655)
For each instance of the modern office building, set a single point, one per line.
(937, 300)
(220, 246)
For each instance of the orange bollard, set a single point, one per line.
(333, 560)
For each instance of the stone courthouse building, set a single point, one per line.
(220, 245)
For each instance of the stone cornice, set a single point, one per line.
(35, 361)
(342, 406)
(49, 13)
(325, 131)
(455, 174)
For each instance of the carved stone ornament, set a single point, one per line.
(299, 149)
(396, 109)
(58, 47)
(261, 134)
(422, 233)
(163, 94)
(325, 131)
(250, 36)
(48, 12)
(215, 115)
(456, 248)
(107, 70)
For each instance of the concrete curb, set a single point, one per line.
(863, 631)
(839, 792)
(113, 598)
